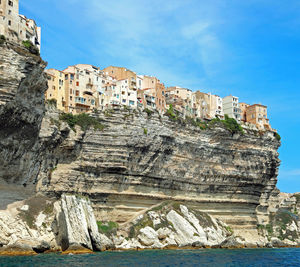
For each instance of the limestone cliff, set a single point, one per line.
(22, 87)
(137, 161)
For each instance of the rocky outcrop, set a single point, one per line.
(171, 225)
(282, 226)
(77, 224)
(42, 224)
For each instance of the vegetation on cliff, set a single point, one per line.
(229, 123)
(83, 120)
(31, 47)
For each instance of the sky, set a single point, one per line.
(249, 49)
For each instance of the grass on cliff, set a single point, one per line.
(31, 47)
(277, 226)
(107, 228)
(229, 123)
(83, 120)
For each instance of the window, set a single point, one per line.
(70, 91)
(131, 103)
(53, 87)
(10, 3)
(124, 101)
(9, 22)
(77, 83)
(71, 97)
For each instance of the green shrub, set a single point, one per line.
(277, 136)
(232, 125)
(107, 228)
(145, 131)
(2, 39)
(149, 112)
(31, 47)
(170, 113)
(83, 120)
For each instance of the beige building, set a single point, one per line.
(257, 114)
(17, 27)
(120, 73)
(56, 88)
(151, 93)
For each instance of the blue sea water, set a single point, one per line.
(167, 258)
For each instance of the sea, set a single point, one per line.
(170, 258)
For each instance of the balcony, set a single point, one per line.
(80, 101)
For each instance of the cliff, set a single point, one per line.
(22, 87)
(137, 160)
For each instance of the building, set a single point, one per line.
(80, 88)
(200, 102)
(120, 73)
(243, 107)
(17, 27)
(152, 90)
(231, 107)
(56, 88)
(257, 114)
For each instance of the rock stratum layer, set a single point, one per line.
(138, 161)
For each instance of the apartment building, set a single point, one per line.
(257, 114)
(17, 27)
(231, 107)
(120, 73)
(56, 88)
(80, 88)
(152, 91)
(200, 104)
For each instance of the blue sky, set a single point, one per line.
(245, 48)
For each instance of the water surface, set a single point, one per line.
(202, 257)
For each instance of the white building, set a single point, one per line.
(231, 107)
(17, 27)
(124, 94)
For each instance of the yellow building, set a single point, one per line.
(56, 88)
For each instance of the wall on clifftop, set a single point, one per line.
(138, 161)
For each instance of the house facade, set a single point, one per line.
(16, 27)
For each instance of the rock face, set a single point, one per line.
(172, 225)
(40, 224)
(282, 226)
(22, 87)
(125, 171)
(77, 224)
